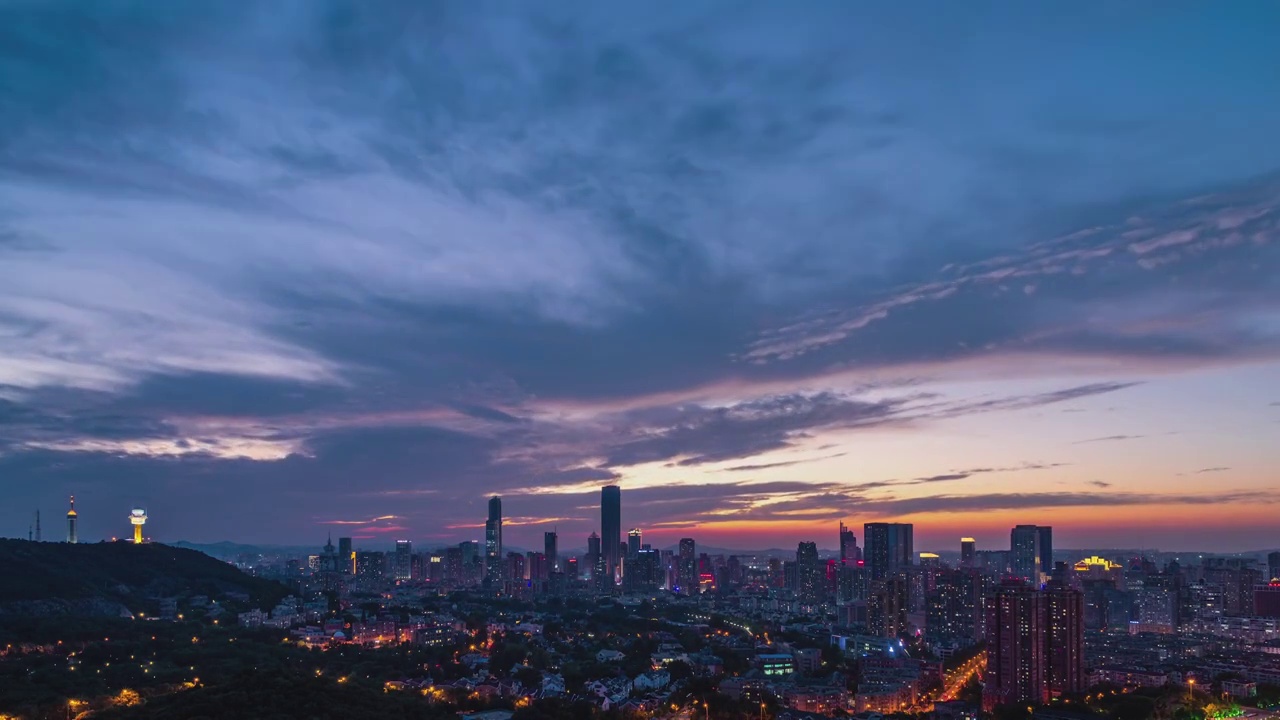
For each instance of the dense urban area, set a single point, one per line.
(623, 629)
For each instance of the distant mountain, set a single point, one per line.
(115, 578)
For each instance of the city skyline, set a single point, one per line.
(313, 274)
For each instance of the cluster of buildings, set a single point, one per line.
(1043, 619)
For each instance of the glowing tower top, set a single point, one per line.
(138, 517)
(71, 523)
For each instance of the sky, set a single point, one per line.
(275, 270)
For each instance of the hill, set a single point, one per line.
(106, 578)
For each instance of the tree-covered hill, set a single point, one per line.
(43, 577)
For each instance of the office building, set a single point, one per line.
(595, 560)
(1273, 566)
(611, 529)
(551, 548)
(493, 568)
(633, 542)
(346, 556)
(404, 560)
(849, 551)
(687, 568)
(968, 552)
(889, 548)
(1031, 552)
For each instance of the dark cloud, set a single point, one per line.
(1100, 483)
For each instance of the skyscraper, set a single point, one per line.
(633, 542)
(493, 543)
(968, 552)
(346, 556)
(1031, 551)
(611, 528)
(550, 548)
(404, 560)
(1273, 566)
(889, 548)
(849, 552)
(809, 574)
(72, 537)
(687, 568)
(595, 560)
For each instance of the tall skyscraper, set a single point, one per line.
(493, 567)
(611, 528)
(1273, 566)
(849, 552)
(968, 552)
(687, 568)
(72, 537)
(1015, 647)
(404, 559)
(346, 556)
(1031, 552)
(633, 542)
(550, 548)
(889, 548)
(809, 574)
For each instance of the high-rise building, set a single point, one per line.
(687, 568)
(1031, 552)
(1015, 647)
(515, 569)
(954, 608)
(633, 542)
(1045, 534)
(1273, 566)
(1064, 640)
(968, 552)
(595, 561)
(853, 583)
(889, 548)
(493, 568)
(887, 607)
(645, 573)
(72, 537)
(849, 552)
(346, 556)
(610, 529)
(550, 548)
(404, 560)
(536, 567)
(809, 574)
(1035, 643)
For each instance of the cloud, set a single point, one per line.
(410, 257)
(1109, 438)
(1100, 483)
